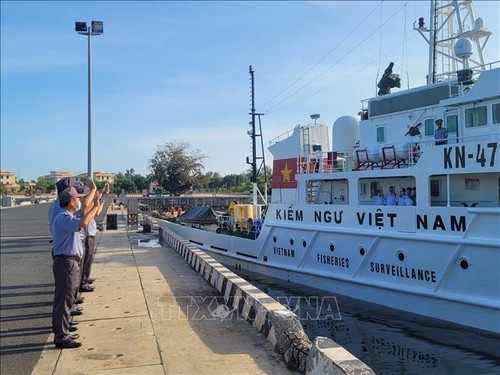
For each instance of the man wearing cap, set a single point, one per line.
(68, 251)
(54, 210)
(441, 134)
(89, 243)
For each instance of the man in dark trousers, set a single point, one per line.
(68, 252)
(90, 231)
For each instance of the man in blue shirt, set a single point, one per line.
(440, 134)
(68, 252)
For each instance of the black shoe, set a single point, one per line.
(79, 300)
(86, 288)
(74, 336)
(72, 329)
(91, 280)
(74, 322)
(75, 312)
(68, 344)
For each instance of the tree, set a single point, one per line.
(44, 184)
(262, 177)
(175, 167)
(127, 185)
(140, 182)
(22, 185)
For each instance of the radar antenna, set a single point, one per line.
(452, 21)
(255, 157)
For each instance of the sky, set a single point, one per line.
(170, 71)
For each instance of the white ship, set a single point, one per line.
(436, 254)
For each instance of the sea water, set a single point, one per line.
(389, 341)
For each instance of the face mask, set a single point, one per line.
(79, 205)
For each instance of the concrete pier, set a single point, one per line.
(173, 309)
(149, 315)
(279, 325)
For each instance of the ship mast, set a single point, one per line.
(255, 157)
(452, 21)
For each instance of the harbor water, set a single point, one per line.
(389, 342)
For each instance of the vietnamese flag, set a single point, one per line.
(284, 173)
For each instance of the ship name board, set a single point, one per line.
(283, 251)
(332, 260)
(455, 157)
(404, 272)
(388, 219)
(289, 215)
(379, 219)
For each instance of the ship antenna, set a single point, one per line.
(254, 135)
(454, 30)
(434, 42)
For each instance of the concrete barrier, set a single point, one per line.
(279, 325)
(151, 221)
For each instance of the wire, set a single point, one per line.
(379, 47)
(340, 80)
(269, 110)
(272, 108)
(320, 60)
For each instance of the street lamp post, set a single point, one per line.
(314, 117)
(96, 28)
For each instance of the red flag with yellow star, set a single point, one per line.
(284, 173)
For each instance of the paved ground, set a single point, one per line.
(148, 315)
(26, 286)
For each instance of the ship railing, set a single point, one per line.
(319, 162)
(476, 70)
(390, 155)
(240, 226)
(281, 137)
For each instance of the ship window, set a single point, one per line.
(476, 116)
(381, 134)
(434, 188)
(429, 126)
(452, 123)
(496, 113)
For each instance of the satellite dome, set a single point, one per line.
(463, 48)
(345, 133)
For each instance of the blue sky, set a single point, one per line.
(169, 71)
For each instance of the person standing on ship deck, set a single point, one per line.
(391, 198)
(440, 134)
(412, 194)
(380, 198)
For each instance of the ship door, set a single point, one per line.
(452, 126)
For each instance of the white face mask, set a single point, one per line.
(79, 205)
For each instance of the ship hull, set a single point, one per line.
(433, 273)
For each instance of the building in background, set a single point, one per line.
(98, 177)
(55, 176)
(8, 182)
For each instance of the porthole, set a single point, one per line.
(464, 263)
(362, 251)
(304, 243)
(332, 247)
(401, 255)
(274, 239)
(291, 241)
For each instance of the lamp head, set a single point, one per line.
(81, 27)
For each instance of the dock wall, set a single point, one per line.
(279, 325)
